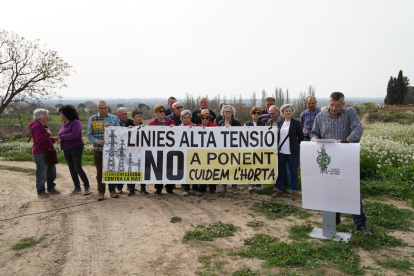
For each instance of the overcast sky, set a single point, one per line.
(160, 48)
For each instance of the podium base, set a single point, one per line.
(317, 233)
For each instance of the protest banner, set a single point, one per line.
(184, 155)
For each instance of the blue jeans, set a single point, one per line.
(293, 161)
(44, 173)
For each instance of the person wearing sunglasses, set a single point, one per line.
(162, 120)
(176, 115)
(205, 122)
(255, 112)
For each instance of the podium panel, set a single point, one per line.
(330, 176)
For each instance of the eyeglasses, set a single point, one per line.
(161, 111)
(335, 105)
(178, 107)
(256, 113)
(228, 111)
(205, 118)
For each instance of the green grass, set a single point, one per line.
(245, 272)
(298, 232)
(18, 169)
(255, 224)
(210, 232)
(27, 242)
(308, 255)
(402, 265)
(274, 210)
(175, 219)
(388, 216)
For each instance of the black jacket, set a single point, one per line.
(295, 135)
(233, 122)
(259, 123)
(176, 119)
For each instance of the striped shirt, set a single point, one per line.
(95, 131)
(306, 120)
(345, 126)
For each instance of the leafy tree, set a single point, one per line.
(27, 70)
(58, 105)
(143, 107)
(120, 105)
(81, 105)
(390, 97)
(397, 90)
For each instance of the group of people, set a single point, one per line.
(338, 122)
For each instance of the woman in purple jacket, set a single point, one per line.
(70, 139)
(41, 142)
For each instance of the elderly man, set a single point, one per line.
(176, 116)
(122, 115)
(171, 101)
(265, 112)
(195, 119)
(307, 117)
(274, 115)
(95, 134)
(342, 124)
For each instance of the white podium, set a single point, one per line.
(330, 183)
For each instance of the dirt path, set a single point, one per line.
(125, 236)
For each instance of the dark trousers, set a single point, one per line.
(97, 159)
(359, 220)
(160, 186)
(186, 187)
(293, 160)
(132, 186)
(203, 187)
(73, 157)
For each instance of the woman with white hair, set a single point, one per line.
(228, 112)
(289, 137)
(42, 141)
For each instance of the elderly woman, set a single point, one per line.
(41, 142)
(290, 136)
(228, 112)
(70, 140)
(205, 122)
(162, 120)
(205, 118)
(186, 121)
(219, 117)
(137, 117)
(255, 112)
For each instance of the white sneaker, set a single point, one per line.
(223, 189)
(235, 190)
(251, 187)
(259, 188)
(119, 191)
(185, 193)
(197, 193)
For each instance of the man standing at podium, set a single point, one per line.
(342, 124)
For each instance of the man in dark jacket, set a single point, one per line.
(176, 115)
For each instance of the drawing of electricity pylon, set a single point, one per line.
(112, 152)
(121, 155)
(132, 163)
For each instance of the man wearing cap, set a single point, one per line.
(195, 119)
(176, 116)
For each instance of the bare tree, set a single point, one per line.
(190, 103)
(287, 98)
(264, 96)
(27, 70)
(280, 97)
(253, 99)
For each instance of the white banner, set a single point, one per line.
(330, 192)
(178, 155)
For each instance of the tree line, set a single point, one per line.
(399, 91)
